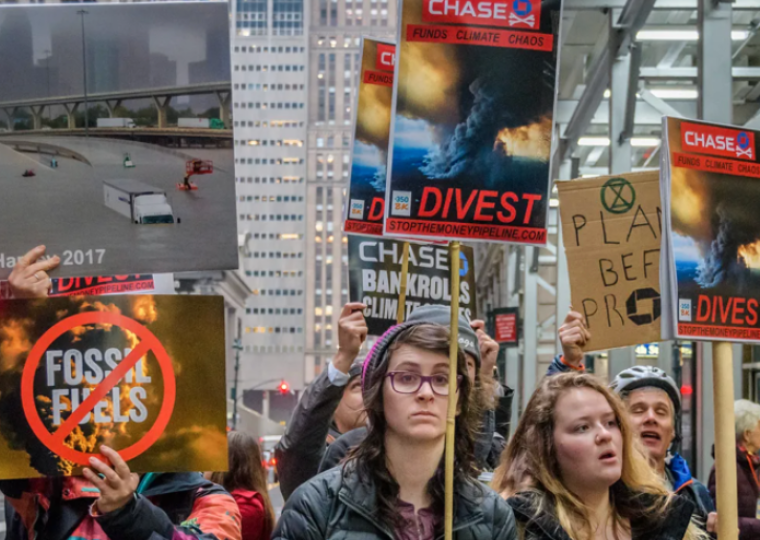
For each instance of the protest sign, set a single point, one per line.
(369, 156)
(505, 331)
(82, 371)
(93, 286)
(374, 278)
(711, 196)
(138, 190)
(471, 127)
(611, 230)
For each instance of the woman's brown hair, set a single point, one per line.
(246, 472)
(529, 464)
(369, 458)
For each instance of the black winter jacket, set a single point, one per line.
(546, 526)
(301, 449)
(336, 505)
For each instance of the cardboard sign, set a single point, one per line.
(113, 199)
(470, 145)
(366, 191)
(711, 196)
(611, 230)
(374, 278)
(505, 326)
(79, 372)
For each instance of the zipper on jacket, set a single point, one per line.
(359, 510)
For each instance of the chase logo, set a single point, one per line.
(717, 141)
(401, 203)
(356, 209)
(386, 57)
(744, 147)
(684, 310)
(464, 266)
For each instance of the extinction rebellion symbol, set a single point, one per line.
(618, 195)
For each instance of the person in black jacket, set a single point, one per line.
(653, 403)
(392, 484)
(110, 502)
(573, 470)
(480, 352)
(330, 406)
(301, 454)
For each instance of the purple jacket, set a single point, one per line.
(749, 525)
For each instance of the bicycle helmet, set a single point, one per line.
(637, 377)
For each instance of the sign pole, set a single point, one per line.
(452, 410)
(725, 446)
(402, 286)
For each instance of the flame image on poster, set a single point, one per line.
(366, 192)
(78, 361)
(471, 132)
(714, 190)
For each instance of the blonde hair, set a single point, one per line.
(530, 463)
(747, 415)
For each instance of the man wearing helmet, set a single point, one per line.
(653, 401)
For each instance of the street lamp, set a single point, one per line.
(47, 72)
(82, 13)
(237, 344)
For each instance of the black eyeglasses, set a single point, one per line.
(408, 382)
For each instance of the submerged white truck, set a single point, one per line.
(116, 123)
(141, 203)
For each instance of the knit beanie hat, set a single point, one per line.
(432, 314)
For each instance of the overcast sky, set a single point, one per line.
(178, 30)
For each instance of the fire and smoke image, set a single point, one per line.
(474, 117)
(369, 156)
(373, 124)
(77, 361)
(716, 228)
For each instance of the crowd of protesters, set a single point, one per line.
(363, 455)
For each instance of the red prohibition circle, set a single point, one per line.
(148, 341)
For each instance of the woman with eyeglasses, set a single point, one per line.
(392, 485)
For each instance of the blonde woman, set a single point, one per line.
(572, 471)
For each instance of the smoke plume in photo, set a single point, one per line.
(486, 108)
(719, 212)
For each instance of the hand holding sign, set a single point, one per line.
(29, 278)
(489, 349)
(573, 335)
(352, 331)
(117, 485)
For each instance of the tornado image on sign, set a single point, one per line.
(115, 137)
(365, 204)
(712, 180)
(471, 133)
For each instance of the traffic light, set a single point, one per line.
(284, 387)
